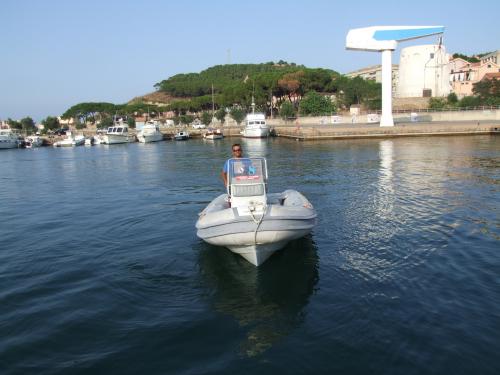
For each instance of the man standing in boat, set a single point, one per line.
(237, 154)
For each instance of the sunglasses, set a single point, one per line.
(236, 149)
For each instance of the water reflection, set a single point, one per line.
(255, 147)
(268, 302)
(385, 185)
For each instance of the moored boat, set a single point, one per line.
(251, 222)
(116, 134)
(150, 132)
(32, 141)
(182, 135)
(8, 139)
(256, 126)
(213, 134)
(70, 141)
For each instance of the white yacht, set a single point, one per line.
(150, 132)
(118, 133)
(8, 139)
(251, 222)
(256, 126)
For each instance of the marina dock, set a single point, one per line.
(345, 131)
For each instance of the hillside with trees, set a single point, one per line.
(272, 85)
(286, 89)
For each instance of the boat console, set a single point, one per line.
(247, 184)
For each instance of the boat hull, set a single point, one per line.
(111, 139)
(4, 144)
(148, 138)
(213, 136)
(8, 140)
(257, 237)
(71, 142)
(255, 133)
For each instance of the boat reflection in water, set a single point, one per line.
(266, 301)
(254, 147)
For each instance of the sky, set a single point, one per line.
(58, 53)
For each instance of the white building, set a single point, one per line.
(423, 71)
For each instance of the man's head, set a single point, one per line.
(237, 150)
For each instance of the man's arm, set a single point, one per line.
(223, 175)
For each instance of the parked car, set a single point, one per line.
(198, 125)
(61, 131)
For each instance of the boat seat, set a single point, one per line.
(247, 190)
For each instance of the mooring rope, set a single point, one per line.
(258, 222)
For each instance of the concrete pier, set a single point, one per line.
(343, 131)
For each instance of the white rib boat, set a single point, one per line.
(251, 222)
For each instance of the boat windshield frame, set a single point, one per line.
(251, 171)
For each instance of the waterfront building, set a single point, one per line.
(464, 74)
(374, 73)
(492, 57)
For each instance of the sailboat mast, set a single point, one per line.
(253, 100)
(213, 103)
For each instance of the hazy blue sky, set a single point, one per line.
(54, 54)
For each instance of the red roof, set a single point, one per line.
(495, 75)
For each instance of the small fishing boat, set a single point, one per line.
(70, 141)
(32, 141)
(98, 139)
(248, 220)
(181, 136)
(213, 134)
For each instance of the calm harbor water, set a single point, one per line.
(101, 271)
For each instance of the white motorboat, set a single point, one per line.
(150, 132)
(32, 141)
(181, 136)
(213, 134)
(8, 139)
(98, 139)
(70, 141)
(118, 133)
(256, 126)
(251, 222)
